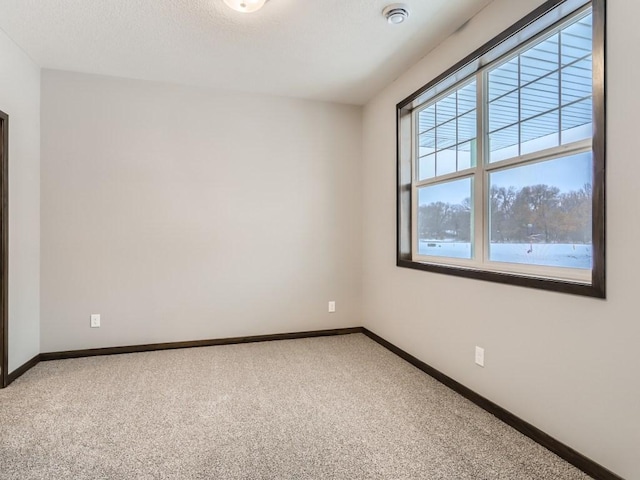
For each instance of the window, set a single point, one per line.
(501, 158)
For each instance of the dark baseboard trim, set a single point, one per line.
(92, 352)
(565, 452)
(18, 372)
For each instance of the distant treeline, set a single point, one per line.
(537, 213)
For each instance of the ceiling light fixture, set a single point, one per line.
(246, 6)
(395, 14)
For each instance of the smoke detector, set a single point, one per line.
(396, 13)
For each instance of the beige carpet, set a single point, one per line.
(323, 408)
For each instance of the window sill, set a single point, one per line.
(562, 286)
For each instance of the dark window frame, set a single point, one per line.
(473, 61)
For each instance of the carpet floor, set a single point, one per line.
(323, 408)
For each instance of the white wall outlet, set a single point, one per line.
(95, 320)
(332, 306)
(480, 356)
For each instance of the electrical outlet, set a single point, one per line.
(480, 356)
(332, 307)
(95, 320)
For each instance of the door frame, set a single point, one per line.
(4, 249)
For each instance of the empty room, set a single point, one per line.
(341, 239)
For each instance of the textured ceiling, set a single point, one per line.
(335, 50)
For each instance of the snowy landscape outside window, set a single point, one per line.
(501, 159)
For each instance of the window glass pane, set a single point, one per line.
(540, 214)
(446, 161)
(448, 129)
(535, 88)
(577, 40)
(503, 79)
(539, 61)
(427, 119)
(427, 143)
(446, 109)
(504, 144)
(503, 111)
(467, 98)
(540, 96)
(577, 121)
(540, 133)
(576, 81)
(426, 167)
(444, 219)
(467, 155)
(446, 135)
(467, 127)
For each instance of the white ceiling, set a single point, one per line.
(333, 50)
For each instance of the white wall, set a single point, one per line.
(184, 214)
(567, 364)
(20, 99)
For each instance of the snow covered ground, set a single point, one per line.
(552, 254)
